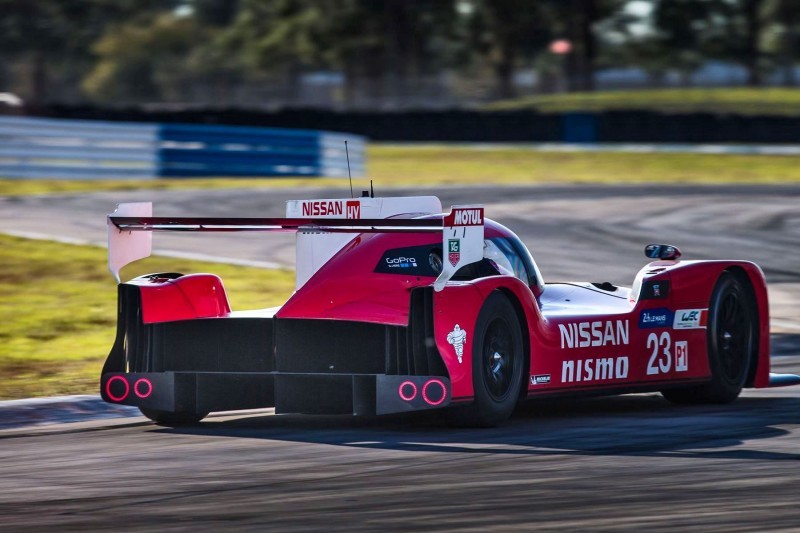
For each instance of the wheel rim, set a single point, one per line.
(498, 359)
(733, 336)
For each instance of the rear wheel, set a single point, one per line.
(497, 363)
(732, 324)
(166, 418)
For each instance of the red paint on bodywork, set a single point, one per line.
(346, 288)
(183, 298)
(694, 282)
(691, 287)
(460, 303)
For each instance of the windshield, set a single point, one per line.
(510, 256)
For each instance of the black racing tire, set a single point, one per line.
(732, 333)
(497, 364)
(166, 418)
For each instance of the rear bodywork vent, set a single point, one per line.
(199, 345)
(319, 366)
(420, 356)
(329, 347)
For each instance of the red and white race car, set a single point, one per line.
(399, 308)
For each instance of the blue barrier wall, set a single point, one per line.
(32, 147)
(194, 150)
(579, 128)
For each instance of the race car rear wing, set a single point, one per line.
(131, 225)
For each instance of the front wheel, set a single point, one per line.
(497, 363)
(732, 327)
(166, 418)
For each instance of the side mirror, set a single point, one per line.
(662, 251)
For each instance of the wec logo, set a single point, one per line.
(690, 319)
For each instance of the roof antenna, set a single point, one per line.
(371, 190)
(347, 153)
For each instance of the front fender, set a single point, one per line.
(694, 282)
(692, 285)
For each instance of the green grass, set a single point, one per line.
(743, 101)
(58, 310)
(452, 165)
(17, 187)
(438, 165)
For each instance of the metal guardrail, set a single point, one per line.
(55, 148)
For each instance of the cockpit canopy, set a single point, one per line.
(421, 255)
(503, 253)
(510, 256)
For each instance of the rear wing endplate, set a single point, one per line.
(131, 225)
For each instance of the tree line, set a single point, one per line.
(108, 51)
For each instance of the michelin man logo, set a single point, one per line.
(457, 338)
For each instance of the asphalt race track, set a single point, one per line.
(618, 463)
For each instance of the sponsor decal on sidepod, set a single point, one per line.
(457, 338)
(401, 262)
(690, 319)
(655, 318)
(602, 368)
(598, 333)
(540, 379)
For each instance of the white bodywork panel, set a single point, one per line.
(128, 246)
(315, 248)
(577, 298)
(130, 229)
(462, 241)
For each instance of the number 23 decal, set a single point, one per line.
(661, 358)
